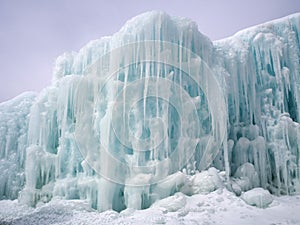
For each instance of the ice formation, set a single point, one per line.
(141, 115)
(14, 117)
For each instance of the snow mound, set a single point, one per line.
(206, 181)
(258, 197)
(172, 203)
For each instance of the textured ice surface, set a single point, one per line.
(126, 113)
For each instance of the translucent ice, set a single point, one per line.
(13, 142)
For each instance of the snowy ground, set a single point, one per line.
(218, 207)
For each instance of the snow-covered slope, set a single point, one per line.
(126, 113)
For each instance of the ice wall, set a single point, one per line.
(127, 112)
(14, 116)
(262, 63)
(123, 114)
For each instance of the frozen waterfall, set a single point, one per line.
(134, 117)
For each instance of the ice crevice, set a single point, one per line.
(156, 109)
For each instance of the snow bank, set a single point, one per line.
(219, 207)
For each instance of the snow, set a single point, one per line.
(153, 117)
(173, 203)
(218, 207)
(206, 181)
(258, 197)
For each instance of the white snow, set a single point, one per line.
(219, 207)
(258, 197)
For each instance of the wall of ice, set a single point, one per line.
(14, 117)
(127, 112)
(263, 101)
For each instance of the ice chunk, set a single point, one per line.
(247, 177)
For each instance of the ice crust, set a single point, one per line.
(188, 104)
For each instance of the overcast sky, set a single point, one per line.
(34, 32)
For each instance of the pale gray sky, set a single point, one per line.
(34, 32)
